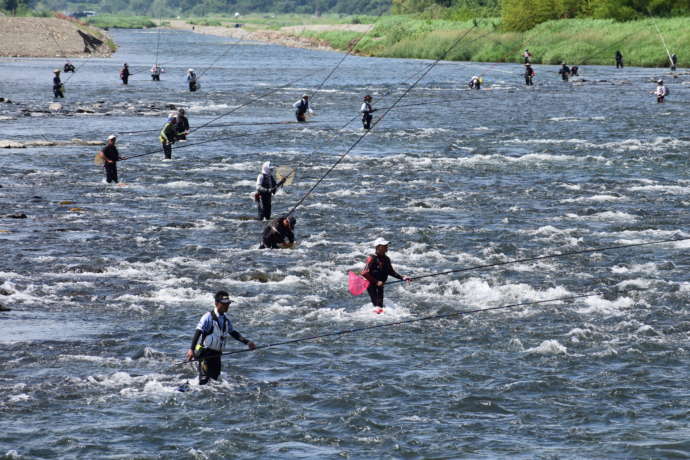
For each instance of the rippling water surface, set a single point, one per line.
(105, 297)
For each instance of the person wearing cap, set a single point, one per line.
(377, 269)
(476, 82)
(124, 74)
(529, 75)
(182, 125)
(191, 80)
(209, 339)
(302, 108)
(58, 87)
(661, 91)
(110, 157)
(367, 111)
(279, 233)
(266, 187)
(169, 135)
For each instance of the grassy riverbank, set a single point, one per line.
(576, 41)
(107, 21)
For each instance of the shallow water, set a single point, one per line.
(105, 298)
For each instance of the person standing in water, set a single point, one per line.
(69, 67)
(155, 73)
(279, 233)
(192, 80)
(377, 269)
(266, 187)
(367, 111)
(209, 339)
(110, 157)
(661, 91)
(124, 74)
(168, 135)
(58, 87)
(619, 60)
(302, 108)
(476, 82)
(529, 75)
(564, 71)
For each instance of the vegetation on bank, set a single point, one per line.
(276, 21)
(107, 21)
(575, 41)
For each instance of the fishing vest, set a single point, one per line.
(215, 340)
(303, 106)
(267, 181)
(378, 267)
(367, 107)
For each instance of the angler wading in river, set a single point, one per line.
(377, 269)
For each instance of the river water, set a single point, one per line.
(106, 283)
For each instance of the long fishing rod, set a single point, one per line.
(219, 57)
(549, 256)
(399, 323)
(387, 111)
(223, 125)
(158, 38)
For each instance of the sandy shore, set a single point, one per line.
(49, 37)
(286, 36)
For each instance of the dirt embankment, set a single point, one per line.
(51, 37)
(286, 36)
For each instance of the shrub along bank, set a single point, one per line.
(575, 41)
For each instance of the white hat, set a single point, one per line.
(190, 70)
(112, 136)
(381, 242)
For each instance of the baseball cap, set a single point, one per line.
(381, 242)
(112, 136)
(222, 297)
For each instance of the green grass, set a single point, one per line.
(575, 41)
(106, 21)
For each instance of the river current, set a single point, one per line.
(107, 283)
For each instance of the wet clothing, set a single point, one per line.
(58, 88)
(660, 93)
(266, 187)
(167, 138)
(674, 62)
(124, 75)
(565, 72)
(276, 233)
(574, 71)
(378, 268)
(208, 343)
(367, 116)
(529, 76)
(191, 79)
(182, 127)
(110, 153)
(619, 60)
(475, 83)
(301, 108)
(69, 68)
(155, 73)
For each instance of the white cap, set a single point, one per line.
(190, 70)
(381, 242)
(112, 136)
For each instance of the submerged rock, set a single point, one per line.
(6, 144)
(3, 308)
(19, 215)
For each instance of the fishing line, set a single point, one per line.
(398, 323)
(378, 120)
(549, 256)
(663, 42)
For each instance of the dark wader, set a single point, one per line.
(376, 294)
(110, 172)
(264, 205)
(167, 150)
(209, 365)
(366, 120)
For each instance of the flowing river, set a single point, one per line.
(107, 283)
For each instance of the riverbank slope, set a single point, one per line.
(51, 37)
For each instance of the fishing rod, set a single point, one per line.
(222, 125)
(378, 120)
(399, 323)
(663, 42)
(549, 256)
